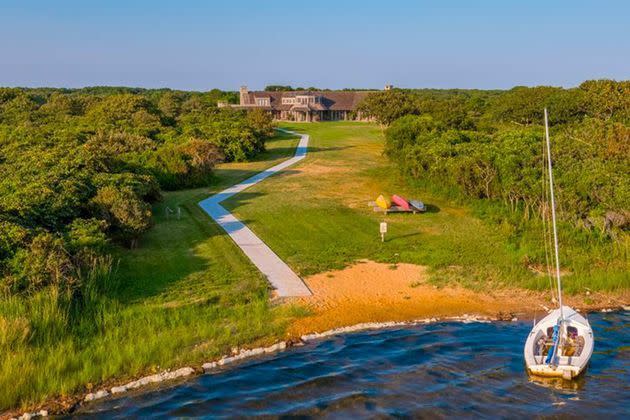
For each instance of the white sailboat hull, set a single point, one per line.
(575, 345)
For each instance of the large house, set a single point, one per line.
(304, 105)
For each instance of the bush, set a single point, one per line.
(44, 263)
(126, 215)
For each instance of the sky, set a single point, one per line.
(201, 45)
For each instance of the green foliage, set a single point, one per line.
(81, 167)
(496, 163)
(287, 88)
(12, 236)
(278, 88)
(523, 105)
(144, 186)
(387, 106)
(404, 132)
(126, 215)
(126, 112)
(485, 110)
(86, 235)
(184, 165)
(608, 99)
(237, 136)
(261, 123)
(591, 163)
(44, 263)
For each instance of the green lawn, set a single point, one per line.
(187, 294)
(316, 217)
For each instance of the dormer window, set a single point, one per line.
(306, 99)
(263, 102)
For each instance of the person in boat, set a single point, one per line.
(574, 343)
(571, 346)
(554, 341)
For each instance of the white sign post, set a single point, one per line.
(383, 231)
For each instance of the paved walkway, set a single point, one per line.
(282, 278)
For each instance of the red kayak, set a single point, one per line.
(399, 201)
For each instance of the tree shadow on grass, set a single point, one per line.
(227, 177)
(289, 152)
(432, 208)
(240, 199)
(178, 249)
(406, 235)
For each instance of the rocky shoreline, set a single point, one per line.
(238, 355)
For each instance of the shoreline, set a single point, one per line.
(115, 388)
(371, 292)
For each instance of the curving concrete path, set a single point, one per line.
(282, 278)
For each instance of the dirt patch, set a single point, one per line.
(374, 292)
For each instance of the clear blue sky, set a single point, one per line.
(200, 45)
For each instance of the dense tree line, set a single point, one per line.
(488, 145)
(289, 88)
(80, 168)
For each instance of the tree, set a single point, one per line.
(114, 143)
(261, 122)
(608, 99)
(387, 106)
(170, 105)
(86, 235)
(278, 88)
(12, 237)
(404, 132)
(125, 112)
(203, 154)
(125, 213)
(45, 262)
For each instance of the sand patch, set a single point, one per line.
(375, 292)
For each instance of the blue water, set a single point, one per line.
(443, 369)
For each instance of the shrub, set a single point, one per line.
(127, 216)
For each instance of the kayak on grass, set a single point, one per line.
(399, 201)
(418, 205)
(383, 202)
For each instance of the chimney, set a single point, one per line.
(389, 87)
(244, 95)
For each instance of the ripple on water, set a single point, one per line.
(437, 369)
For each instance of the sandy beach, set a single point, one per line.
(373, 292)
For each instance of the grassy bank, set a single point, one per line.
(184, 295)
(316, 217)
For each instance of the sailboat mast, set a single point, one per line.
(553, 214)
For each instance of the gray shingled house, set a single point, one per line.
(303, 105)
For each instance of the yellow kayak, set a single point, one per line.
(383, 202)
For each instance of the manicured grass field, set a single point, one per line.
(316, 216)
(187, 294)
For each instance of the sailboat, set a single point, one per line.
(561, 344)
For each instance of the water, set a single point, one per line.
(444, 369)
